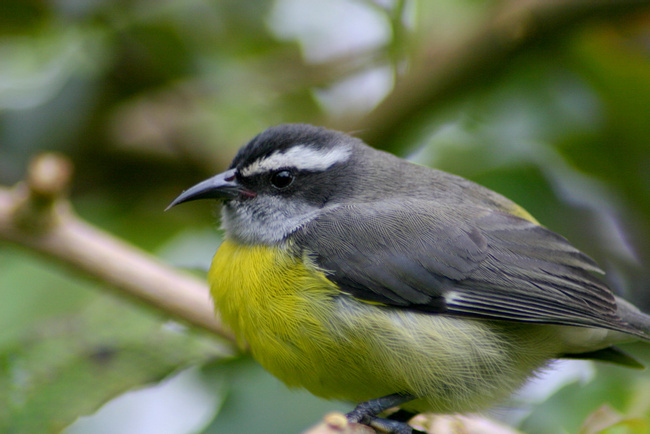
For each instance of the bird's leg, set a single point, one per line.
(366, 413)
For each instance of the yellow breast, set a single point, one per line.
(272, 301)
(291, 317)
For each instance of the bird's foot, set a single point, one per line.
(366, 413)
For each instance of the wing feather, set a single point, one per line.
(459, 260)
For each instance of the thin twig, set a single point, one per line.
(35, 214)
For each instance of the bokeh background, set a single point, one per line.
(545, 102)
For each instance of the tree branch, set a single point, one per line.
(336, 423)
(35, 214)
(443, 73)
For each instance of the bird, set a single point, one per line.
(363, 277)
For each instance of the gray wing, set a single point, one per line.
(464, 261)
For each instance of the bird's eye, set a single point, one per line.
(282, 179)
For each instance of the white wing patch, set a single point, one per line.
(299, 157)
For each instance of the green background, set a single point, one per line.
(148, 97)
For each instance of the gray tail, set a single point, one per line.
(634, 318)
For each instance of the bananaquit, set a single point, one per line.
(360, 276)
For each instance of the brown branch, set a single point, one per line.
(444, 73)
(336, 423)
(35, 214)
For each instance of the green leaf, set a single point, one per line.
(68, 366)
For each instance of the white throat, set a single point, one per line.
(268, 221)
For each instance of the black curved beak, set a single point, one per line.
(221, 187)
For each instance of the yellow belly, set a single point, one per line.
(304, 331)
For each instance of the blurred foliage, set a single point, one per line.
(570, 409)
(147, 97)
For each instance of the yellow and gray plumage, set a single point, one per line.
(358, 275)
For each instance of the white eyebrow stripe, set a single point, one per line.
(301, 158)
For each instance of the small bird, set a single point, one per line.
(360, 276)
